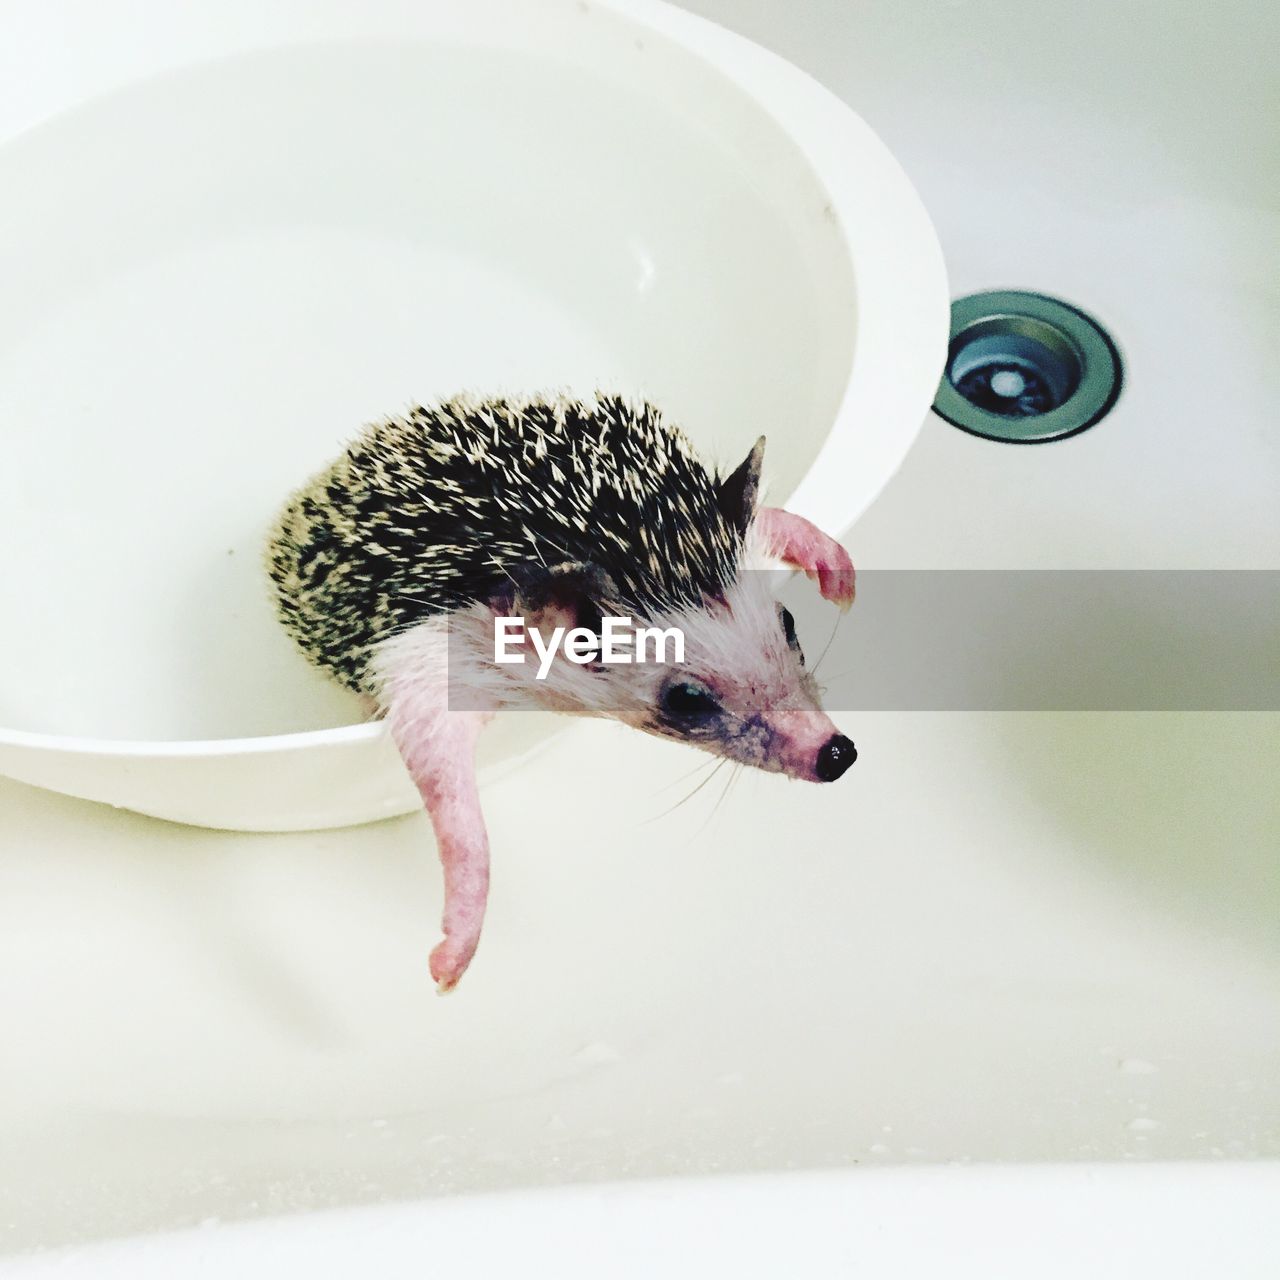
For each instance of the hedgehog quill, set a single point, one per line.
(391, 567)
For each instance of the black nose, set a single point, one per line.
(837, 754)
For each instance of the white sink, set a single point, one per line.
(1005, 940)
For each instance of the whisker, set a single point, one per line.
(733, 777)
(667, 812)
(830, 641)
(686, 776)
(840, 675)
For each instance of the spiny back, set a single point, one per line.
(428, 513)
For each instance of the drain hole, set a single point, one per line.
(1013, 389)
(1024, 367)
(1010, 372)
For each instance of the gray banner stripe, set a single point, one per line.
(1183, 640)
(1061, 640)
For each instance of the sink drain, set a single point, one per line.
(1026, 368)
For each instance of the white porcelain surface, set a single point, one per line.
(1004, 939)
(1052, 1222)
(233, 233)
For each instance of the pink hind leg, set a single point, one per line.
(438, 747)
(799, 543)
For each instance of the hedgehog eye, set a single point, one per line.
(789, 630)
(690, 702)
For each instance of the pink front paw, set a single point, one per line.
(835, 576)
(449, 961)
(794, 539)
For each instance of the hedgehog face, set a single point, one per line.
(743, 691)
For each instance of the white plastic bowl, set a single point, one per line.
(234, 231)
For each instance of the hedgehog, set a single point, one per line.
(555, 517)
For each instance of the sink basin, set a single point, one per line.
(1003, 1002)
(233, 235)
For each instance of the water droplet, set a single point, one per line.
(596, 1054)
(1138, 1067)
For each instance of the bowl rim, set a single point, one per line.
(900, 287)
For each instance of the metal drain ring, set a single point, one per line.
(1032, 368)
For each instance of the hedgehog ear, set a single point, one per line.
(571, 594)
(736, 495)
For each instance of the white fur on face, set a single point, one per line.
(736, 647)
